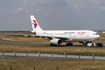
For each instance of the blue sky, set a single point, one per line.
(52, 14)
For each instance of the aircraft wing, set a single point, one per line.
(50, 37)
(18, 35)
(33, 35)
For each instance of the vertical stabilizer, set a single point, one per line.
(35, 24)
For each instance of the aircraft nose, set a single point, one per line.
(98, 36)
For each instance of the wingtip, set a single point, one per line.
(3, 33)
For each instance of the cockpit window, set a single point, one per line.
(95, 33)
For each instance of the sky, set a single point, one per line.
(52, 14)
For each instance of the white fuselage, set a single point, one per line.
(70, 35)
(56, 37)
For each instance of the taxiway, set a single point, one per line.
(41, 45)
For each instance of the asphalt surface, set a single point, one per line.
(44, 58)
(41, 45)
(21, 44)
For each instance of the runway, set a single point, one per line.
(41, 45)
(22, 44)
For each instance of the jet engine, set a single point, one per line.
(56, 41)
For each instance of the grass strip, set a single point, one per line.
(55, 50)
(51, 65)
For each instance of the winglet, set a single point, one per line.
(3, 33)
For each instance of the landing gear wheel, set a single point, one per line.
(69, 44)
(93, 45)
(52, 44)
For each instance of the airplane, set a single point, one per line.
(57, 37)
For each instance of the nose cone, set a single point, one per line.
(98, 36)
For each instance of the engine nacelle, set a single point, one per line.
(56, 41)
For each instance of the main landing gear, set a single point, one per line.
(52, 44)
(69, 44)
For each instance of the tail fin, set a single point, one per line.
(35, 24)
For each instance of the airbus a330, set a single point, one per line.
(57, 37)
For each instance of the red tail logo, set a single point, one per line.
(35, 24)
